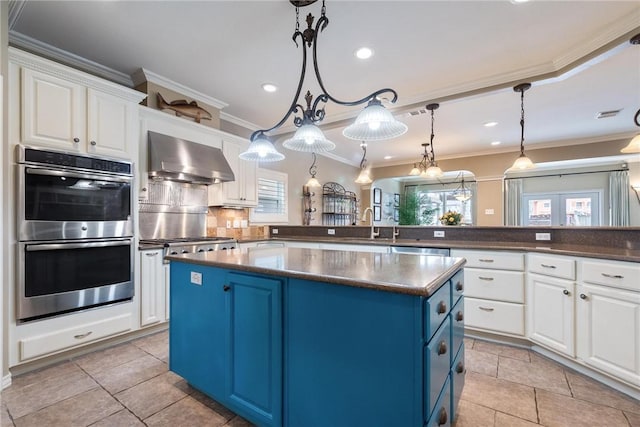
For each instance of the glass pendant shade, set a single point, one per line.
(433, 171)
(415, 171)
(262, 150)
(523, 162)
(462, 194)
(309, 138)
(313, 183)
(633, 146)
(364, 177)
(374, 123)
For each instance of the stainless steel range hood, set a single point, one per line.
(176, 159)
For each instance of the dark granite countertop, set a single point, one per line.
(399, 273)
(617, 254)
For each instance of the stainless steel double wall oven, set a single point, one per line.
(75, 232)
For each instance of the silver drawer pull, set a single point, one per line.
(612, 276)
(489, 279)
(547, 266)
(485, 260)
(81, 336)
(151, 254)
(486, 308)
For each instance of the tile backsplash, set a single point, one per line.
(219, 218)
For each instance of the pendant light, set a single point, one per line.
(634, 144)
(372, 124)
(462, 193)
(313, 182)
(428, 167)
(522, 162)
(364, 177)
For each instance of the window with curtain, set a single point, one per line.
(272, 198)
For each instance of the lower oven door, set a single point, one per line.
(57, 277)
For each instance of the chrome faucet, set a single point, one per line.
(374, 233)
(395, 232)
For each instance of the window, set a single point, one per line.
(570, 209)
(272, 198)
(434, 203)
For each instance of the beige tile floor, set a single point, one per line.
(129, 385)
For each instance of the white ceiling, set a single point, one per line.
(426, 50)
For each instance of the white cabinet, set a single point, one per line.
(608, 318)
(244, 190)
(494, 291)
(355, 248)
(153, 287)
(66, 109)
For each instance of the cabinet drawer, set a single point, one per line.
(436, 309)
(441, 415)
(498, 285)
(494, 315)
(457, 286)
(49, 343)
(618, 274)
(491, 259)
(457, 327)
(457, 382)
(437, 362)
(554, 266)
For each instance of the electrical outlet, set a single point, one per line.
(489, 211)
(543, 236)
(331, 231)
(228, 223)
(196, 278)
(438, 233)
(236, 223)
(244, 223)
(274, 231)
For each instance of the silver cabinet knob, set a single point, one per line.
(583, 296)
(566, 292)
(93, 143)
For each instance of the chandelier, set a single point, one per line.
(372, 124)
(428, 167)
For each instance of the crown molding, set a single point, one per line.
(237, 121)
(15, 9)
(53, 53)
(143, 75)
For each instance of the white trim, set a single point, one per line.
(46, 50)
(237, 121)
(143, 75)
(6, 382)
(15, 9)
(264, 218)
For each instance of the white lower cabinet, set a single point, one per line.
(355, 248)
(494, 291)
(608, 328)
(153, 287)
(550, 313)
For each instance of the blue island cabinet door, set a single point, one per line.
(254, 319)
(197, 327)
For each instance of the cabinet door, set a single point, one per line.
(197, 331)
(53, 111)
(232, 190)
(250, 181)
(254, 325)
(244, 190)
(551, 313)
(109, 122)
(608, 325)
(152, 287)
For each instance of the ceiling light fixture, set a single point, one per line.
(462, 193)
(496, 142)
(313, 182)
(269, 87)
(522, 162)
(364, 53)
(364, 177)
(634, 144)
(490, 124)
(373, 123)
(428, 167)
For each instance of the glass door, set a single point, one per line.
(561, 209)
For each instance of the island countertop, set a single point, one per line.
(399, 273)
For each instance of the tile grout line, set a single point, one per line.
(535, 398)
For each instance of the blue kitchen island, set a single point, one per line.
(307, 337)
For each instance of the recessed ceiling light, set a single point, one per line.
(364, 53)
(269, 87)
(496, 142)
(490, 124)
(518, 1)
(388, 157)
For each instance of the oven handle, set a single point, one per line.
(52, 172)
(83, 245)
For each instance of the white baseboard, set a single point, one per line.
(6, 382)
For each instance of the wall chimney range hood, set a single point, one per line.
(180, 160)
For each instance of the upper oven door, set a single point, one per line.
(55, 203)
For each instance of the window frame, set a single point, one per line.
(271, 218)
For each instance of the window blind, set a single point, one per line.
(271, 197)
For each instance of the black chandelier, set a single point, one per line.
(428, 167)
(373, 123)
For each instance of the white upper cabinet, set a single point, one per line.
(66, 109)
(244, 190)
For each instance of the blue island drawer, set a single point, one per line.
(436, 309)
(441, 415)
(457, 327)
(457, 382)
(437, 362)
(457, 286)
